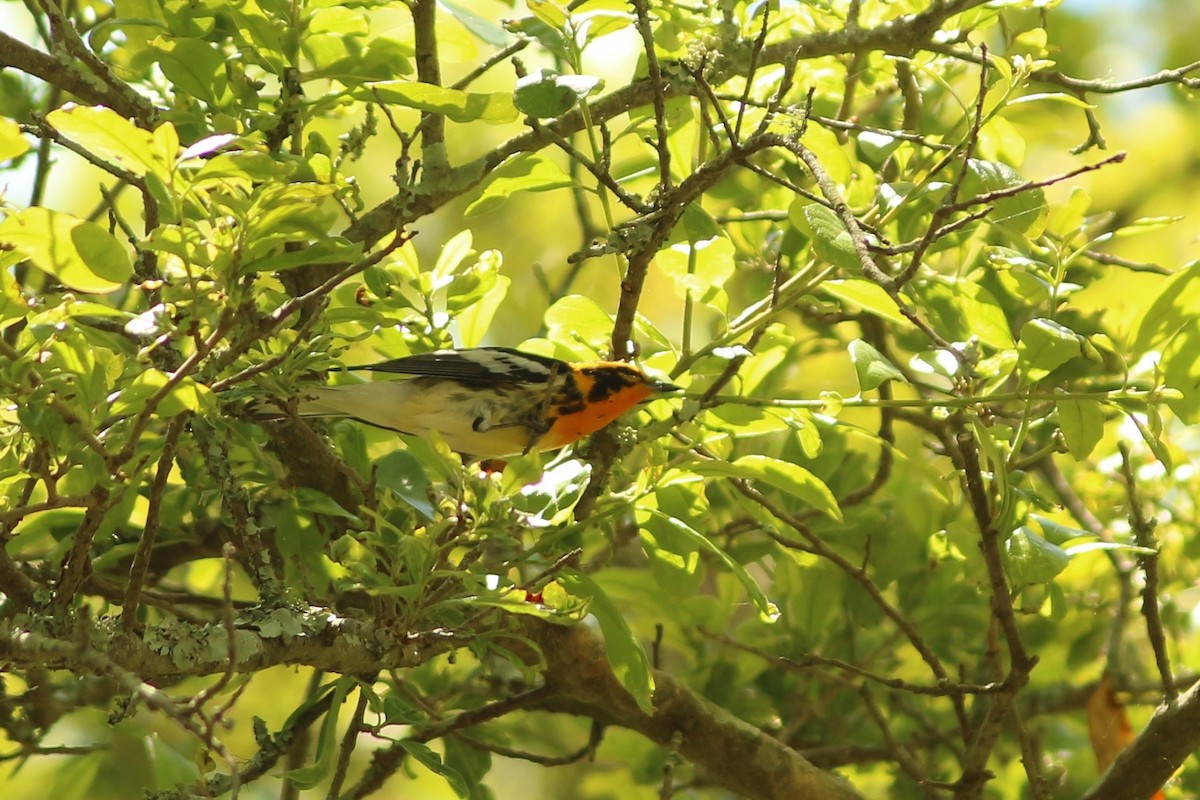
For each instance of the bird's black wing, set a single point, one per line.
(478, 365)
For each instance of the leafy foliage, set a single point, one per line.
(934, 442)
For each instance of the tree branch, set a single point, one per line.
(732, 753)
(1171, 736)
(66, 76)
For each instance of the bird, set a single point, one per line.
(490, 402)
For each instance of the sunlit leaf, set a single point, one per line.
(1023, 212)
(792, 479)
(625, 653)
(700, 269)
(195, 67)
(1032, 559)
(872, 367)
(576, 318)
(831, 241)
(1082, 425)
(868, 296)
(530, 172)
(1046, 345)
(110, 136)
(545, 93)
(968, 311)
(12, 143)
(766, 609)
(81, 254)
(1175, 305)
(402, 473)
(549, 12)
(455, 104)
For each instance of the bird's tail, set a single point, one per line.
(314, 403)
(380, 403)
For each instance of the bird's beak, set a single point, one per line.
(662, 387)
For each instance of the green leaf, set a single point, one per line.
(767, 610)
(326, 251)
(1082, 426)
(1055, 97)
(12, 143)
(170, 767)
(1032, 559)
(400, 472)
(470, 762)
(826, 146)
(1176, 304)
(792, 479)
(966, 309)
(674, 557)
(12, 306)
(186, 395)
(485, 29)
(700, 269)
(251, 165)
(831, 241)
(601, 23)
(531, 172)
(1045, 346)
(338, 20)
(1181, 371)
(575, 318)
(319, 503)
(1088, 547)
(1058, 533)
(429, 758)
(567, 610)
(473, 282)
(625, 653)
(76, 779)
(550, 37)
(546, 93)
(868, 296)
(308, 777)
(551, 500)
(455, 104)
(1024, 213)
(452, 258)
(195, 67)
(473, 322)
(549, 12)
(105, 133)
(872, 367)
(1154, 442)
(82, 255)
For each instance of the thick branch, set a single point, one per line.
(1144, 766)
(733, 753)
(170, 652)
(88, 88)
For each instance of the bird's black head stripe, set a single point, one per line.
(611, 379)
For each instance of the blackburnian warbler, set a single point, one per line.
(490, 402)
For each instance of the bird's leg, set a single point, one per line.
(538, 425)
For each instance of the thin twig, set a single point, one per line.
(141, 557)
(349, 742)
(1143, 529)
(808, 660)
(642, 10)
